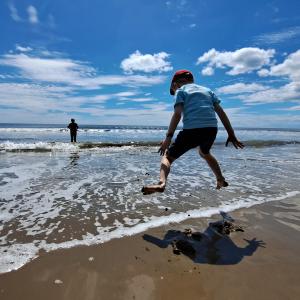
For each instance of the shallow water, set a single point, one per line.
(61, 199)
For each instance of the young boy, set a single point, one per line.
(198, 106)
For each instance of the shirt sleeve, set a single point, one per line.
(214, 97)
(179, 97)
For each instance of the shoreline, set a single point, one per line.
(134, 267)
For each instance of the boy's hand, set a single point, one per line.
(236, 143)
(164, 145)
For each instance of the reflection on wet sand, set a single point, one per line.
(74, 157)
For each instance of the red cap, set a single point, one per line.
(178, 75)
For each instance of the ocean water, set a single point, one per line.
(54, 194)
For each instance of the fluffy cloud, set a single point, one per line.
(208, 71)
(287, 92)
(32, 14)
(23, 49)
(244, 60)
(240, 88)
(44, 82)
(290, 68)
(259, 94)
(54, 69)
(146, 63)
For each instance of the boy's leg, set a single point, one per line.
(181, 145)
(165, 167)
(214, 165)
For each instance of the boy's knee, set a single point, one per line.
(169, 158)
(204, 155)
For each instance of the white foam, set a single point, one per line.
(19, 254)
(60, 147)
(16, 256)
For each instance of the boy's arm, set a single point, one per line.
(172, 127)
(225, 121)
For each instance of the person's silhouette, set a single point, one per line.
(73, 130)
(209, 247)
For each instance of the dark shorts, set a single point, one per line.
(192, 138)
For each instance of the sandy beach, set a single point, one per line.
(260, 263)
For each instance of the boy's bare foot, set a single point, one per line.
(221, 183)
(155, 188)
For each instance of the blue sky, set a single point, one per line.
(110, 62)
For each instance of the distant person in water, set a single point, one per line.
(73, 130)
(199, 106)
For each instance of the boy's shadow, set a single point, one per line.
(209, 247)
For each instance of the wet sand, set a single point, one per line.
(261, 263)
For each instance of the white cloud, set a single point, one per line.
(252, 120)
(31, 97)
(240, 88)
(192, 25)
(23, 49)
(32, 14)
(145, 99)
(36, 103)
(290, 67)
(208, 71)
(146, 63)
(126, 94)
(244, 60)
(288, 92)
(160, 106)
(14, 12)
(47, 69)
(55, 83)
(37, 98)
(263, 72)
(278, 37)
(57, 70)
(126, 80)
(253, 93)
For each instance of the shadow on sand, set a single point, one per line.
(213, 246)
